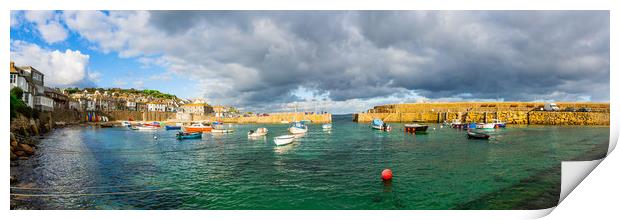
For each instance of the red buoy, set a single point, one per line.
(386, 174)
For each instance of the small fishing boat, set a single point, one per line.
(153, 124)
(284, 122)
(485, 125)
(183, 135)
(219, 128)
(198, 127)
(327, 126)
(380, 125)
(499, 123)
(298, 128)
(477, 135)
(284, 139)
(414, 128)
(259, 132)
(144, 128)
(125, 124)
(106, 125)
(173, 127)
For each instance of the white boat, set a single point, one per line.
(144, 128)
(284, 122)
(219, 128)
(327, 126)
(485, 125)
(500, 124)
(284, 139)
(259, 132)
(223, 130)
(125, 124)
(380, 125)
(298, 128)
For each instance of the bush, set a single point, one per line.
(17, 92)
(18, 106)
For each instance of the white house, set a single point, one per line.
(44, 103)
(131, 105)
(156, 107)
(20, 79)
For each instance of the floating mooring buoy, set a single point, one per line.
(386, 174)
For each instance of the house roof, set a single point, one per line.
(13, 68)
(195, 104)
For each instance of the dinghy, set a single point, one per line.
(298, 128)
(183, 135)
(197, 127)
(485, 125)
(284, 139)
(414, 128)
(327, 126)
(477, 135)
(380, 125)
(171, 127)
(259, 132)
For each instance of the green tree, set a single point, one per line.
(17, 92)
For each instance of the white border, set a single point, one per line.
(585, 202)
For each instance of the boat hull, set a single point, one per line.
(198, 129)
(295, 130)
(189, 136)
(327, 126)
(283, 140)
(222, 131)
(416, 128)
(477, 135)
(168, 127)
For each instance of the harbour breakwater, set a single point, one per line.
(187, 117)
(511, 113)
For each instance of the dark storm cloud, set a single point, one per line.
(514, 55)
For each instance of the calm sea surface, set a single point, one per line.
(116, 168)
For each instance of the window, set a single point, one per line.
(13, 78)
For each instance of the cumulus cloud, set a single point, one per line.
(260, 58)
(48, 25)
(61, 69)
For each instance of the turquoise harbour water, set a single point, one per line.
(117, 168)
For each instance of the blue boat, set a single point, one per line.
(184, 135)
(377, 124)
(170, 127)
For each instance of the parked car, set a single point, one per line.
(551, 107)
(570, 109)
(584, 109)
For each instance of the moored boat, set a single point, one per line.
(144, 128)
(327, 126)
(125, 124)
(219, 128)
(183, 135)
(414, 128)
(477, 135)
(298, 128)
(259, 132)
(380, 125)
(485, 125)
(106, 125)
(152, 124)
(284, 139)
(197, 127)
(173, 127)
(499, 123)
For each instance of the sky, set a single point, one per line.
(335, 61)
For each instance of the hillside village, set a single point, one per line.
(46, 99)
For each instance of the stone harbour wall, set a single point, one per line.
(510, 117)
